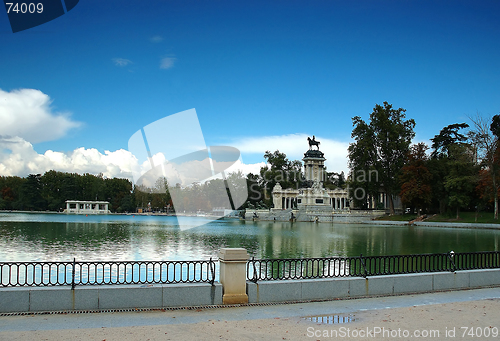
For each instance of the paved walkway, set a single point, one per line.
(194, 324)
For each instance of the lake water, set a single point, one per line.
(60, 237)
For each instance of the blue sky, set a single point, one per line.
(260, 74)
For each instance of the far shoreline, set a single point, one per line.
(367, 222)
(434, 224)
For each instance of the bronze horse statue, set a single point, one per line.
(313, 142)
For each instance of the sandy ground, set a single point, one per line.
(466, 320)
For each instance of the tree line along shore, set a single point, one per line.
(459, 172)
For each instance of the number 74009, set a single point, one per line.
(479, 332)
(24, 7)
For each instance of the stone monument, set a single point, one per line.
(311, 202)
(314, 199)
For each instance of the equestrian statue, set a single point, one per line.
(313, 142)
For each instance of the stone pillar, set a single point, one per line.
(233, 275)
(277, 196)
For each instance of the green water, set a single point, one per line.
(57, 237)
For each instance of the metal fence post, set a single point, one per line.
(364, 266)
(212, 270)
(73, 275)
(255, 277)
(450, 256)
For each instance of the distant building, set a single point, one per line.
(87, 207)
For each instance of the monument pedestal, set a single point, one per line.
(315, 213)
(316, 209)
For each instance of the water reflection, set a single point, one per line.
(57, 237)
(331, 319)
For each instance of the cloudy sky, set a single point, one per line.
(262, 75)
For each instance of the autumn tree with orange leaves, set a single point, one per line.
(486, 137)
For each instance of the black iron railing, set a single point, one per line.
(296, 268)
(75, 273)
(360, 266)
(113, 272)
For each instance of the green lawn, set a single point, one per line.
(400, 217)
(465, 217)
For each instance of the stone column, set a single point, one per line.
(233, 275)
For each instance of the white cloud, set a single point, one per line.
(121, 61)
(294, 146)
(188, 172)
(156, 39)
(27, 113)
(17, 157)
(167, 62)
(245, 168)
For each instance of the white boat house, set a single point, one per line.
(87, 207)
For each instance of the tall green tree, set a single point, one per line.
(160, 195)
(334, 180)
(117, 191)
(382, 145)
(30, 194)
(449, 137)
(255, 190)
(415, 178)
(142, 196)
(53, 190)
(280, 170)
(462, 177)
(362, 164)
